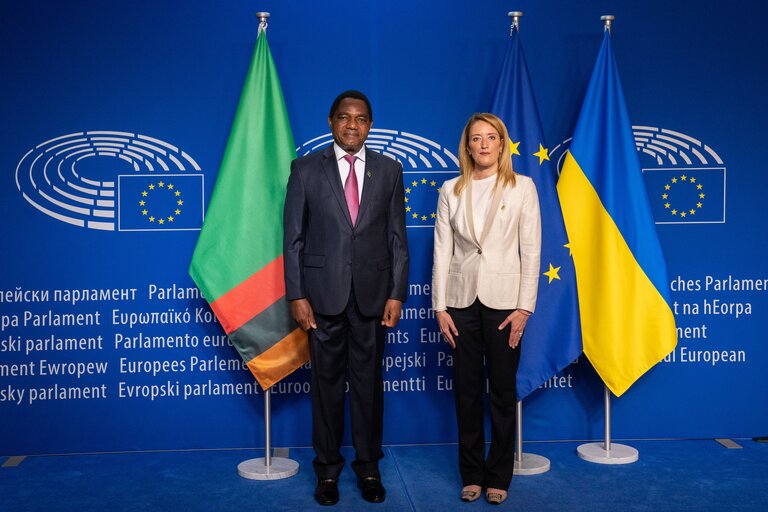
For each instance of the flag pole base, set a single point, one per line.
(618, 454)
(531, 465)
(256, 469)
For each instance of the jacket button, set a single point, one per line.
(479, 251)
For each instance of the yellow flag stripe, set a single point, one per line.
(627, 326)
(281, 359)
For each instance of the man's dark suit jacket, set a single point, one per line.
(325, 255)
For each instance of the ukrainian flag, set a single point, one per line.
(626, 320)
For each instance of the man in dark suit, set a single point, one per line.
(346, 277)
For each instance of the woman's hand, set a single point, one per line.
(517, 319)
(447, 328)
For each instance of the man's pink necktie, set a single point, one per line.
(350, 189)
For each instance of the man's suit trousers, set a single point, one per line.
(355, 342)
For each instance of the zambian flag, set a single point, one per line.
(238, 260)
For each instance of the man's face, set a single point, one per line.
(350, 124)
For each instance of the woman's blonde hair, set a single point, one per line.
(505, 176)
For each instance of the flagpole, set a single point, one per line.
(267, 427)
(607, 20)
(267, 467)
(515, 22)
(607, 452)
(525, 463)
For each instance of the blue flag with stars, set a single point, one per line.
(552, 338)
(163, 202)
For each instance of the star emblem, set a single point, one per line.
(552, 273)
(542, 153)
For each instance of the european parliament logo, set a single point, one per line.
(113, 181)
(685, 179)
(426, 165)
(165, 202)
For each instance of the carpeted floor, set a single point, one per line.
(699, 475)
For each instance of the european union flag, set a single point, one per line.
(421, 191)
(160, 202)
(553, 334)
(681, 195)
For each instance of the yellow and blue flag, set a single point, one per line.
(552, 335)
(627, 323)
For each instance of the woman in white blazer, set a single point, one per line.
(484, 282)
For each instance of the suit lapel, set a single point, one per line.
(331, 171)
(369, 182)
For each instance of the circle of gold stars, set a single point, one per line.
(410, 212)
(152, 191)
(676, 184)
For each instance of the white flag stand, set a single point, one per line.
(605, 452)
(267, 467)
(526, 463)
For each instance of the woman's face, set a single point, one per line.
(484, 145)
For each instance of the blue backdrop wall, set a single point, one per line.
(120, 96)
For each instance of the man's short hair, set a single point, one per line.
(357, 95)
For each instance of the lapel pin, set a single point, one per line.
(369, 174)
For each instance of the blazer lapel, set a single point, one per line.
(331, 170)
(469, 213)
(498, 191)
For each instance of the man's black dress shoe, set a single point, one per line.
(327, 491)
(372, 489)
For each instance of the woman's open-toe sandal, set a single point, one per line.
(495, 497)
(471, 493)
